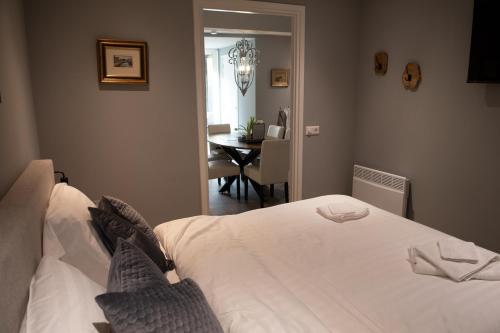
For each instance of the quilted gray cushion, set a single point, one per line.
(123, 209)
(131, 269)
(110, 227)
(140, 299)
(179, 307)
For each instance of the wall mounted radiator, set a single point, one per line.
(381, 189)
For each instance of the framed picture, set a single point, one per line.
(122, 62)
(279, 78)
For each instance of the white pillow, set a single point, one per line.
(62, 300)
(70, 236)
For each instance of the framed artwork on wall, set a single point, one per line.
(122, 62)
(279, 78)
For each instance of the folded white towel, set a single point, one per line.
(426, 259)
(422, 266)
(455, 249)
(343, 211)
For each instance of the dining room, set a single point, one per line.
(248, 110)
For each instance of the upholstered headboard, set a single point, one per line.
(22, 211)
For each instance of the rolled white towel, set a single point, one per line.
(343, 211)
(426, 259)
(457, 250)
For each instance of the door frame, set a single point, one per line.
(297, 16)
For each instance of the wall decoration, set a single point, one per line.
(381, 63)
(279, 78)
(412, 76)
(122, 62)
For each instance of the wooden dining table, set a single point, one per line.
(229, 142)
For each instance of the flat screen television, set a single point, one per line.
(484, 61)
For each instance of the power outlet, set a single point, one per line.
(312, 130)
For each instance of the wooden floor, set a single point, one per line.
(224, 204)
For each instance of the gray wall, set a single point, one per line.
(445, 137)
(331, 62)
(18, 137)
(138, 144)
(275, 53)
(142, 145)
(332, 45)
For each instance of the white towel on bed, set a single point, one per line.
(455, 249)
(343, 211)
(426, 259)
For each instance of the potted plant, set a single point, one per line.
(248, 129)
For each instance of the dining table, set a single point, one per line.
(231, 145)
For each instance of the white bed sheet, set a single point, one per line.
(287, 269)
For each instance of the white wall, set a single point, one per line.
(445, 136)
(245, 21)
(18, 136)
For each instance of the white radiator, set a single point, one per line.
(381, 189)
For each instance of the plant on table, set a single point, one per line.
(248, 129)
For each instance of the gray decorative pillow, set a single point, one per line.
(140, 299)
(123, 209)
(179, 308)
(131, 269)
(110, 227)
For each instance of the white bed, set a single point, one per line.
(287, 269)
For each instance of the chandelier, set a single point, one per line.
(244, 57)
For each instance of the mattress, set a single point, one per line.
(287, 269)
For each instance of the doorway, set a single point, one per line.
(296, 14)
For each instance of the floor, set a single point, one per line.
(224, 204)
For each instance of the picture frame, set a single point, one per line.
(280, 77)
(122, 61)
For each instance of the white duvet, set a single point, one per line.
(287, 269)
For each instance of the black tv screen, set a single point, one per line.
(484, 61)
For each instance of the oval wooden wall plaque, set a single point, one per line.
(412, 76)
(381, 63)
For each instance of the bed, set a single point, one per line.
(22, 212)
(278, 269)
(287, 269)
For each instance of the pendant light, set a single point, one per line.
(244, 57)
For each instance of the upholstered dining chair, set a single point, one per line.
(287, 134)
(225, 169)
(216, 153)
(272, 168)
(275, 132)
(281, 119)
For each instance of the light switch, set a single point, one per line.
(312, 130)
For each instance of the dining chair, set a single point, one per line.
(225, 169)
(272, 168)
(287, 134)
(275, 132)
(216, 153)
(282, 118)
